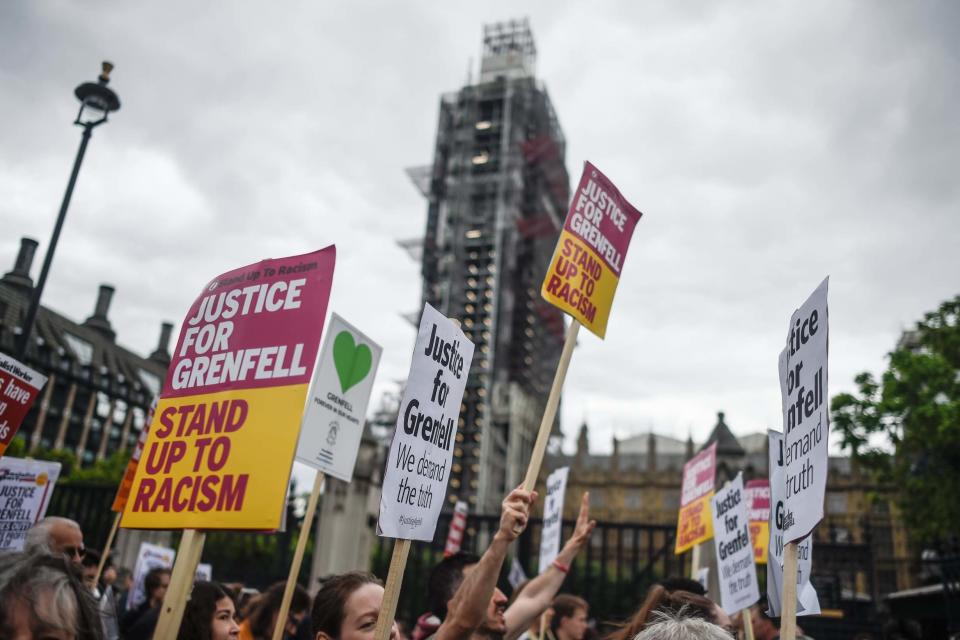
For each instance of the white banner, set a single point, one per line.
(553, 517)
(337, 405)
(418, 467)
(204, 572)
(807, 602)
(25, 490)
(737, 575)
(806, 415)
(149, 557)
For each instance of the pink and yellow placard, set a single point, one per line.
(224, 432)
(695, 522)
(757, 496)
(586, 265)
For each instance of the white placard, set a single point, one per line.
(517, 576)
(149, 557)
(552, 517)
(25, 490)
(807, 601)
(334, 418)
(204, 572)
(736, 573)
(806, 415)
(418, 467)
(703, 577)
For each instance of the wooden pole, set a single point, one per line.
(181, 580)
(747, 624)
(788, 603)
(391, 592)
(106, 547)
(550, 413)
(695, 562)
(305, 533)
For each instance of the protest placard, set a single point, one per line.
(123, 491)
(552, 517)
(694, 523)
(334, 417)
(458, 523)
(25, 490)
(517, 575)
(757, 494)
(806, 416)
(225, 429)
(150, 556)
(806, 595)
(737, 574)
(19, 387)
(418, 465)
(586, 264)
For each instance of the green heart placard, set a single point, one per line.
(352, 360)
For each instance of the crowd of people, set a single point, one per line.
(51, 591)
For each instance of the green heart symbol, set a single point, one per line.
(353, 361)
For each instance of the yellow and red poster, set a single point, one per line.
(695, 520)
(585, 268)
(219, 451)
(757, 497)
(126, 483)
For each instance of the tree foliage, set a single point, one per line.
(905, 428)
(107, 471)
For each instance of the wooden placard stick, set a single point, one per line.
(181, 581)
(305, 533)
(788, 603)
(550, 412)
(391, 592)
(695, 562)
(747, 624)
(106, 547)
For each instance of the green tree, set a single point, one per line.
(905, 428)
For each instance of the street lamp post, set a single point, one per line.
(96, 103)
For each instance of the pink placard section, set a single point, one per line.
(229, 339)
(757, 496)
(601, 217)
(699, 475)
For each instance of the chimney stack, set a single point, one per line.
(162, 354)
(20, 276)
(99, 321)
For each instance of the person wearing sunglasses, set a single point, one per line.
(57, 535)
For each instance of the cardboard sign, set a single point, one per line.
(694, 524)
(553, 517)
(458, 522)
(517, 576)
(25, 490)
(334, 418)
(807, 601)
(19, 387)
(737, 574)
(806, 415)
(220, 450)
(757, 494)
(150, 556)
(586, 264)
(418, 467)
(123, 491)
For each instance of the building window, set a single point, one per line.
(82, 349)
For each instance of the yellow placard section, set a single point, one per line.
(580, 283)
(217, 461)
(694, 524)
(760, 536)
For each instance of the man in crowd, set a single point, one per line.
(569, 617)
(139, 623)
(57, 535)
(462, 589)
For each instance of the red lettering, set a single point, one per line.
(162, 502)
(231, 494)
(179, 503)
(166, 422)
(146, 489)
(197, 423)
(178, 449)
(553, 284)
(218, 412)
(238, 415)
(209, 494)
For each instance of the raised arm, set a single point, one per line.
(540, 591)
(467, 608)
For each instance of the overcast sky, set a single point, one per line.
(768, 144)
